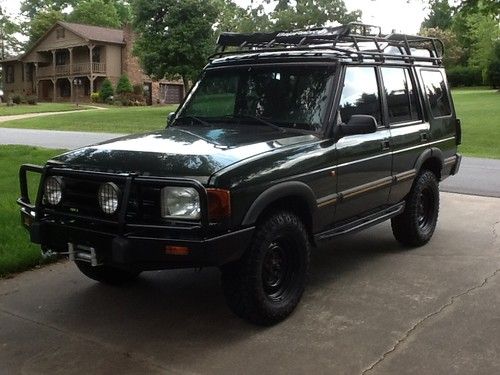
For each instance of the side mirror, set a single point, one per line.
(359, 124)
(170, 118)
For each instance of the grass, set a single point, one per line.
(112, 120)
(21, 109)
(479, 111)
(17, 253)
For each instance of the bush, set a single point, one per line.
(138, 89)
(31, 99)
(95, 97)
(465, 76)
(124, 86)
(493, 69)
(106, 90)
(16, 99)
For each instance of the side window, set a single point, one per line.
(435, 89)
(360, 94)
(401, 96)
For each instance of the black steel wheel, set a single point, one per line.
(416, 225)
(265, 286)
(107, 274)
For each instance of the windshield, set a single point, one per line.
(288, 97)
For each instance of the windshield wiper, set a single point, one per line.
(199, 120)
(260, 120)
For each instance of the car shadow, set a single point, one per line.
(186, 308)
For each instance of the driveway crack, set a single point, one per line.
(408, 333)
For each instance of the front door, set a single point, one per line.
(364, 161)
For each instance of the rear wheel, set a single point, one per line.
(107, 274)
(265, 286)
(416, 225)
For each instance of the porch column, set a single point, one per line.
(91, 48)
(54, 84)
(70, 79)
(53, 62)
(35, 79)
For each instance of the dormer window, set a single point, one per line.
(60, 33)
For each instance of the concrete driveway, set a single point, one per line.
(371, 307)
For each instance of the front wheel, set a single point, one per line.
(107, 274)
(265, 286)
(416, 225)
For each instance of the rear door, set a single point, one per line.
(409, 133)
(364, 160)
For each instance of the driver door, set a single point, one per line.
(364, 161)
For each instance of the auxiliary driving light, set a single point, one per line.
(109, 197)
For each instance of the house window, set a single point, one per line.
(9, 74)
(29, 73)
(61, 57)
(60, 33)
(96, 54)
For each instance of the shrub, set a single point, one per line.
(493, 69)
(138, 89)
(95, 97)
(124, 86)
(465, 76)
(32, 99)
(16, 99)
(106, 90)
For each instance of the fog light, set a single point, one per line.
(53, 190)
(109, 198)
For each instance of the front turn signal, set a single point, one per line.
(219, 204)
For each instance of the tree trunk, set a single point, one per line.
(185, 81)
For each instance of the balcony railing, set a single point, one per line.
(67, 70)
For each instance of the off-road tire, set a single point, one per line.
(415, 226)
(107, 274)
(267, 283)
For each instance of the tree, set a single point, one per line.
(440, 16)
(493, 70)
(124, 86)
(96, 12)
(175, 37)
(9, 44)
(30, 8)
(40, 23)
(299, 14)
(106, 90)
(453, 53)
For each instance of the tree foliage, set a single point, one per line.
(299, 14)
(106, 90)
(96, 12)
(124, 86)
(175, 37)
(10, 43)
(440, 16)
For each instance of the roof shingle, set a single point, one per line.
(97, 33)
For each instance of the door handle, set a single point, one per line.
(424, 137)
(386, 145)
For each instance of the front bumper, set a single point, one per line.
(123, 242)
(139, 251)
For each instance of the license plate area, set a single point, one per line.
(83, 253)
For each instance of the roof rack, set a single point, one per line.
(355, 40)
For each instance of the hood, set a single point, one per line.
(180, 151)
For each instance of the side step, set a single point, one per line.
(362, 223)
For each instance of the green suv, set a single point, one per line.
(287, 139)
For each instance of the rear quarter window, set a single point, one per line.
(436, 92)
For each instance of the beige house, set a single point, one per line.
(71, 61)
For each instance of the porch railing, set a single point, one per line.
(64, 70)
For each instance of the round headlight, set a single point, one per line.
(109, 197)
(52, 190)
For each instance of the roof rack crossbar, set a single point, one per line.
(330, 38)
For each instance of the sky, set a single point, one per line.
(400, 15)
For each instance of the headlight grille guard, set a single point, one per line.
(128, 179)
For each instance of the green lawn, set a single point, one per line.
(16, 251)
(114, 120)
(479, 110)
(38, 108)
